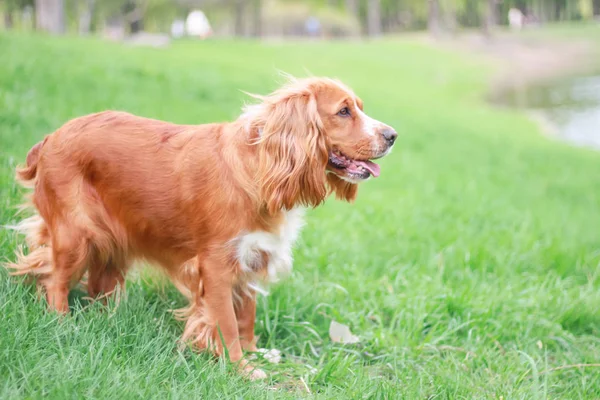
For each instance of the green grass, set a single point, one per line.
(469, 269)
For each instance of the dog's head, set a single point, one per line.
(313, 138)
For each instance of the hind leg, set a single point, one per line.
(70, 255)
(103, 278)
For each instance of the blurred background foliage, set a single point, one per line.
(253, 18)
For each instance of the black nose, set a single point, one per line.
(390, 135)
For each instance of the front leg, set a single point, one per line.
(213, 321)
(246, 316)
(217, 301)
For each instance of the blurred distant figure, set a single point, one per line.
(531, 19)
(515, 19)
(178, 28)
(28, 17)
(50, 16)
(312, 26)
(197, 25)
(114, 30)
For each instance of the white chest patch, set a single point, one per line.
(276, 245)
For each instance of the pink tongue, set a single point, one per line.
(370, 166)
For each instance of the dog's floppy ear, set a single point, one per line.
(292, 151)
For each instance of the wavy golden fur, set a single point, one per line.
(212, 205)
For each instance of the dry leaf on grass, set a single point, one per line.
(271, 355)
(311, 370)
(340, 333)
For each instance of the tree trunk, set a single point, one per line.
(557, 11)
(136, 26)
(488, 20)
(596, 8)
(374, 17)
(9, 7)
(353, 10)
(352, 7)
(543, 11)
(257, 16)
(433, 20)
(85, 16)
(452, 22)
(134, 16)
(8, 19)
(50, 15)
(492, 13)
(238, 12)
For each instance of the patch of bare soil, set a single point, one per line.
(523, 60)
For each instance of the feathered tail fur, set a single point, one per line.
(37, 261)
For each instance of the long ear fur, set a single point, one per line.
(343, 190)
(292, 150)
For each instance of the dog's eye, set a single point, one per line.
(344, 112)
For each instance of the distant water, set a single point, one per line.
(571, 106)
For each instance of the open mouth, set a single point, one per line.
(361, 169)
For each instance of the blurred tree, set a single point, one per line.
(133, 11)
(9, 8)
(257, 18)
(492, 10)
(374, 17)
(451, 23)
(433, 20)
(352, 8)
(245, 17)
(85, 11)
(50, 15)
(239, 8)
(488, 19)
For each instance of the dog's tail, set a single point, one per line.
(26, 174)
(38, 261)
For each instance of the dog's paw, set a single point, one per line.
(257, 374)
(251, 372)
